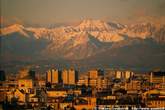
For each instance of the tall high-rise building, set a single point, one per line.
(26, 80)
(65, 76)
(128, 74)
(48, 76)
(32, 74)
(72, 76)
(2, 75)
(53, 76)
(157, 77)
(24, 72)
(93, 74)
(69, 76)
(123, 74)
(118, 74)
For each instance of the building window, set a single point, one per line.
(22, 85)
(32, 100)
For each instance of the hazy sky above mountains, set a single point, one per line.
(60, 11)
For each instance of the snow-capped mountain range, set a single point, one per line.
(89, 38)
(104, 32)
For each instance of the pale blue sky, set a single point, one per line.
(58, 11)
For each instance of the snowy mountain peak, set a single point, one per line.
(93, 25)
(141, 30)
(16, 26)
(12, 29)
(81, 38)
(103, 31)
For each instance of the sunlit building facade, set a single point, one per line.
(69, 76)
(53, 76)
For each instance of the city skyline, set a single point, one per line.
(95, 89)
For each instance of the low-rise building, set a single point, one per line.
(154, 98)
(56, 93)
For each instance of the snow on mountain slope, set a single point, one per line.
(87, 38)
(104, 32)
(140, 30)
(160, 34)
(40, 32)
(81, 38)
(91, 43)
(101, 30)
(107, 36)
(94, 25)
(12, 29)
(78, 46)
